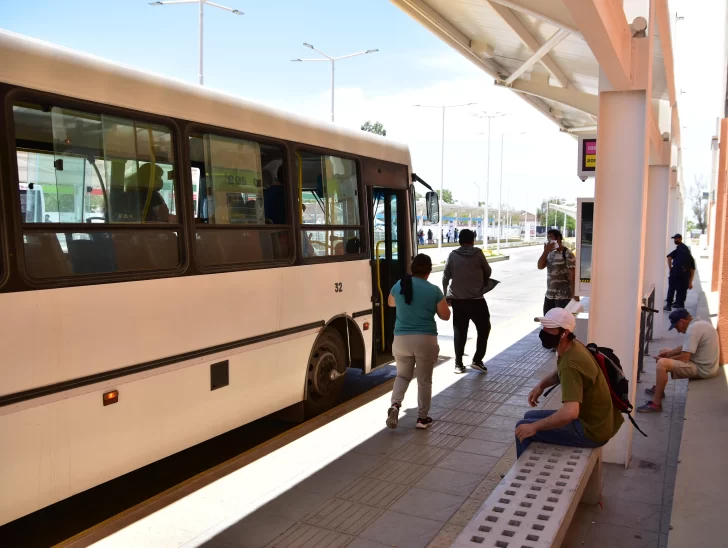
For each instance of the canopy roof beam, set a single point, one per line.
(606, 31)
(421, 11)
(570, 97)
(533, 13)
(512, 20)
(539, 54)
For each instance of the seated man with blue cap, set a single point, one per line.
(697, 358)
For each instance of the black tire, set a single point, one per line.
(322, 393)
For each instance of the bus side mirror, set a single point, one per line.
(433, 207)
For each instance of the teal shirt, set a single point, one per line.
(418, 317)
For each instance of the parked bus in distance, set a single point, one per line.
(176, 262)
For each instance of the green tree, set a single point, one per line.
(555, 218)
(447, 197)
(418, 196)
(376, 127)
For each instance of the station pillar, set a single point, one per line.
(620, 201)
(656, 236)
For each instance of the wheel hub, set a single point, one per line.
(323, 367)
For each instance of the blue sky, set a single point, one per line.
(251, 56)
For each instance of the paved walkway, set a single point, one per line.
(408, 488)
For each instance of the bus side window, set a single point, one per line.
(93, 171)
(241, 183)
(328, 196)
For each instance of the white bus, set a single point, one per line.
(175, 262)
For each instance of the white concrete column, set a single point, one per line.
(656, 237)
(619, 238)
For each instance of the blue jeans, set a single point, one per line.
(571, 435)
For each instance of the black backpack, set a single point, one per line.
(618, 384)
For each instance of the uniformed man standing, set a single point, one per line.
(682, 270)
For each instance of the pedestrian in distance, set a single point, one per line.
(681, 265)
(587, 417)
(455, 235)
(560, 265)
(465, 281)
(697, 358)
(415, 345)
(429, 235)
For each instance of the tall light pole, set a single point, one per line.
(333, 66)
(500, 191)
(485, 114)
(201, 4)
(442, 163)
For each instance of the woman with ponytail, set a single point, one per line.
(415, 345)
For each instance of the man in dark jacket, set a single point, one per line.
(469, 272)
(682, 269)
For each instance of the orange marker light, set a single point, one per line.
(111, 397)
(366, 326)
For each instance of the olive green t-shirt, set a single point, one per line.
(582, 381)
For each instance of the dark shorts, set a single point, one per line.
(548, 304)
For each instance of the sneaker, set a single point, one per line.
(479, 366)
(393, 417)
(668, 308)
(651, 391)
(459, 369)
(424, 423)
(649, 407)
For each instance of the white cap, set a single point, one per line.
(558, 317)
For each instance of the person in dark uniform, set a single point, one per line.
(682, 270)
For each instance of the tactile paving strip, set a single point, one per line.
(528, 507)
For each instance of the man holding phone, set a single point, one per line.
(560, 265)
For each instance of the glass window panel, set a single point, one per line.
(55, 254)
(238, 181)
(230, 247)
(328, 190)
(77, 167)
(330, 243)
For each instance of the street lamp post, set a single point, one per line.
(487, 173)
(442, 164)
(500, 191)
(333, 66)
(201, 4)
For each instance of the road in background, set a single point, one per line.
(513, 304)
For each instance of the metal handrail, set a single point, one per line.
(381, 293)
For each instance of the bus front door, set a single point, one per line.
(387, 228)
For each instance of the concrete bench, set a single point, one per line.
(533, 505)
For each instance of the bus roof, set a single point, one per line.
(39, 65)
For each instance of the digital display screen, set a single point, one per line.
(589, 155)
(585, 255)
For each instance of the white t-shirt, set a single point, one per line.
(701, 340)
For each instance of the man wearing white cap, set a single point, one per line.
(587, 417)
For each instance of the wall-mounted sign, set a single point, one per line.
(587, 156)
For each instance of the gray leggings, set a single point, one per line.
(416, 356)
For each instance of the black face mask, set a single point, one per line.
(549, 340)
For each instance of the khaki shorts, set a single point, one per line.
(682, 370)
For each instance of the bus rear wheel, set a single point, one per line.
(325, 373)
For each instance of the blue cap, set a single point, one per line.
(677, 236)
(676, 316)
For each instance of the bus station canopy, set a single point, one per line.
(550, 52)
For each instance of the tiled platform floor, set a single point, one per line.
(409, 488)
